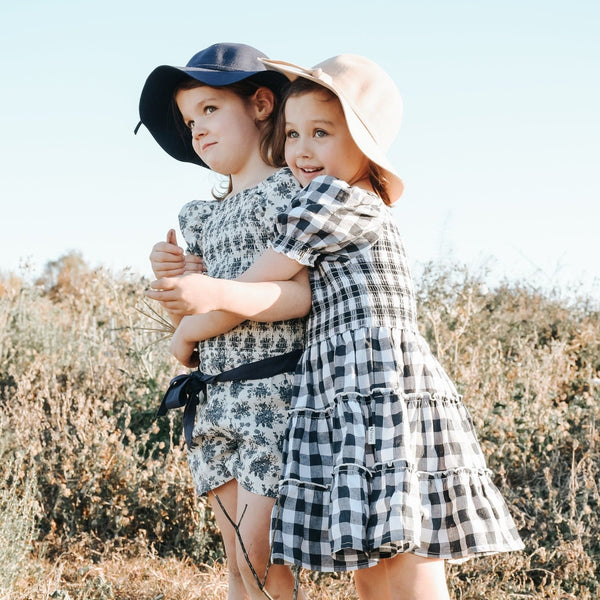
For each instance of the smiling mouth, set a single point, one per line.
(310, 170)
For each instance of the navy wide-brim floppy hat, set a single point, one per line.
(215, 66)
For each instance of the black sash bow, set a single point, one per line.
(189, 390)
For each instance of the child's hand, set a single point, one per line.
(190, 294)
(194, 264)
(185, 351)
(167, 258)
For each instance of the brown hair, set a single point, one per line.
(302, 86)
(245, 89)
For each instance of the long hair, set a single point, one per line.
(302, 86)
(245, 89)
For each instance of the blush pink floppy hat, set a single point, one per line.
(370, 100)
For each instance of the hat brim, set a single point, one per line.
(360, 134)
(156, 103)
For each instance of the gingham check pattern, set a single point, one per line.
(380, 454)
(361, 275)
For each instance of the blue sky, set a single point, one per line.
(499, 147)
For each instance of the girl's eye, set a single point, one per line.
(319, 133)
(190, 125)
(209, 109)
(291, 134)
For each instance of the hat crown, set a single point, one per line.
(218, 65)
(369, 91)
(228, 57)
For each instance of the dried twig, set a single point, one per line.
(296, 570)
(164, 324)
(236, 528)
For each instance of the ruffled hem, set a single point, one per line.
(366, 516)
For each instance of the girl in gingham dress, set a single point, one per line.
(382, 470)
(225, 99)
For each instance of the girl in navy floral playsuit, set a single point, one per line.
(217, 112)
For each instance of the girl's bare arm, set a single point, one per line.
(274, 288)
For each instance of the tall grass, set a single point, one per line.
(19, 511)
(96, 499)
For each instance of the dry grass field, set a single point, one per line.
(96, 501)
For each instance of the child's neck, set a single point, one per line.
(363, 184)
(250, 177)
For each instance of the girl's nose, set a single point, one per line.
(197, 130)
(303, 148)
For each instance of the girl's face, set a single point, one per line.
(318, 142)
(223, 127)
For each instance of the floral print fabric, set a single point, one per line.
(238, 431)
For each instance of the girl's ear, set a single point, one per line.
(264, 103)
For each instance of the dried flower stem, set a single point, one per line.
(236, 528)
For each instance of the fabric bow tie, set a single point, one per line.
(189, 390)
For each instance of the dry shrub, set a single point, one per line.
(79, 391)
(19, 511)
(118, 518)
(153, 577)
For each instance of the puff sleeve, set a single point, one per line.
(328, 220)
(191, 221)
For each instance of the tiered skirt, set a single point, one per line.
(381, 457)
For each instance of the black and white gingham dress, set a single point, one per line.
(380, 454)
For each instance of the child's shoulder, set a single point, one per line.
(282, 183)
(198, 208)
(325, 182)
(193, 214)
(326, 188)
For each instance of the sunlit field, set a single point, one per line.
(96, 501)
